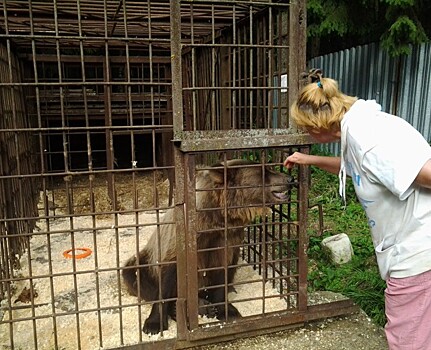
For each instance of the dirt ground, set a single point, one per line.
(354, 331)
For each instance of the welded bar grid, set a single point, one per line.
(271, 253)
(88, 110)
(93, 94)
(235, 73)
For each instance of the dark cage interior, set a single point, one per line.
(112, 115)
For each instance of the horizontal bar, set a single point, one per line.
(197, 141)
(248, 3)
(137, 129)
(276, 321)
(233, 45)
(83, 38)
(98, 59)
(92, 83)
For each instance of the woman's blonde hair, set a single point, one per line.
(320, 104)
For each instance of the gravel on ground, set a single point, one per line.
(355, 331)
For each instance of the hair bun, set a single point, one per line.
(312, 76)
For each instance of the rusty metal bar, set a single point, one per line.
(180, 171)
(176, 54)
(191, 242)
(297, 47)
(239, 139)
(277, 322)
(181, 244)
(302, 232)
(91, 182)
(94, 59)
(250, 67)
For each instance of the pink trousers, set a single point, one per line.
(408, 312)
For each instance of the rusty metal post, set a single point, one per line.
(191, 248)
(181, 246)
(179, 162)
(107, 90)
(303, 238)
(297, 47)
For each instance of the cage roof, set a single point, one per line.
(95, 23)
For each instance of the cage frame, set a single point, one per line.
(187, 145)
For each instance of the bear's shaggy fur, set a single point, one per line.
(234, 193)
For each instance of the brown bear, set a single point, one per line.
(234, 193)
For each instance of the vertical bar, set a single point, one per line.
(91, 176)
(44, 186)
(107, 90)
(191, 241)
(234, 68)
(242, 64)
(297, 45)
(20, 212)
(259, 74)
(180, 205)
(160, 297)
(263, 158)
(289, 236)
(225, 233)
(297, 40)
(177, 96)
(303, 177)
(129, 92)
(151, 68)
(60, 81)
(69, 186)
(96, 257)
(225, 95)
(9, 271)
(181, 225)
(281, 122)
(270, 84)
(130, 114)
(13, 105)
(193, 70)
(251, 66)
(213, 76)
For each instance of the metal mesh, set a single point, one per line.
(109, 110)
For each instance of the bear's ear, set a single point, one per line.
(216, 175)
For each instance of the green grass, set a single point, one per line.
(359, 279)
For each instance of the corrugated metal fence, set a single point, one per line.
(401, 85)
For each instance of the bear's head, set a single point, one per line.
(242, 186)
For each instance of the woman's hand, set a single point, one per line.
(330, 164)
(297, 158)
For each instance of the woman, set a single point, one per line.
(390, 165)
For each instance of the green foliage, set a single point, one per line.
(401, 35)
(359, 279)
(400, 3)
(333, 18)
(397, 24)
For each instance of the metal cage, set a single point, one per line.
(110, 114)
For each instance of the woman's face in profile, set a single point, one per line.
(324, 135)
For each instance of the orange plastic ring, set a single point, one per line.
(86, 252)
